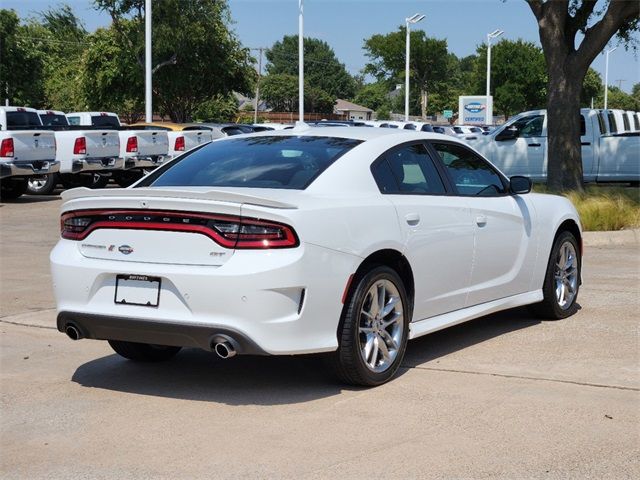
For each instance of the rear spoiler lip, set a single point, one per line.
(149, 193)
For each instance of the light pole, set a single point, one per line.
(411, 20)
(301, 59)
(606, 76)
(487, 111)
(148, 98)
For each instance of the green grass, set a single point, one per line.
(605, 208)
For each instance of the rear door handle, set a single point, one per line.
(481, 220)
(412, 219)
(585, 144)
(534, 144)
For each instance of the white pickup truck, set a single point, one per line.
(182, 137)
(25, 150)
(140, 149)
(87, 155)
(519, 147)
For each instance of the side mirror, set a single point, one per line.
(519, 185)
(510, 133)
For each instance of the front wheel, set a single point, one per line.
(143, 352)
(374, 329)
(562, 280)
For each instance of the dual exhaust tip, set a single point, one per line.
(221, 344)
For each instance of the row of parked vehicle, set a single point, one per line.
(41, 149)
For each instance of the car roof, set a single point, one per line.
(356, 133)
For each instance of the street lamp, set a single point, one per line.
(301, 59)
(606, 76)
(411, 20)
(148, 92)
(487, 112)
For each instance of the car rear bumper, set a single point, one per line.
(98, 164)
(144, 162)
(28, 168)
(284, 301)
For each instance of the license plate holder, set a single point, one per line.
(140, 290)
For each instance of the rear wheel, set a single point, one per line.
(12, 188)
(42, 184)
(143, 352)
(374, 329)
(562, 280)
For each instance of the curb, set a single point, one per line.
(603, 239)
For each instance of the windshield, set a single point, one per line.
(253, 162)
(51, 119)
(23, 119)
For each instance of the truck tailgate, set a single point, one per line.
(101, 143)
(150, 142)
(33, 145)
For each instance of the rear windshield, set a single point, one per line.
(23, 119)
(105, 121)
(258, 162)
(51, 119)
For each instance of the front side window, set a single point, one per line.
(286, 162)
(530, 126)
(470, 173)
(408, 169)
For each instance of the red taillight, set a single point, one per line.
(6, 148)
(179, 146)
(80, 146)
(132, 144)
(226, 230)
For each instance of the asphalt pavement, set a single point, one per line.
(504, 396)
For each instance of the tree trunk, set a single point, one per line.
(564, 151)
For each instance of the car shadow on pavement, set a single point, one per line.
(254, 380)
(444, 342)
(24, 199)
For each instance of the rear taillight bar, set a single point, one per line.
(226, 230)
(6, 148)
(80, 146)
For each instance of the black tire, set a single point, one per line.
(550, 308)
(127, 177)
(348, 362)
(42, 184)
(12, 188)
(143, 352)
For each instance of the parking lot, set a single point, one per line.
(502, 396)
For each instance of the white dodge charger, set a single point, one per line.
(341, 240)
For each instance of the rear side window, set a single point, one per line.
(613, 127)
(601, 123)
(636, 120)
(23, 119)
(285, 162)
(471, 174)
(408, 169)
(105, 121)
(625, 120)
(74, 120)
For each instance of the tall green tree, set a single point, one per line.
(568, 57)
(322, 69)
(195, 55)
(61, 38)
(21, 63)
(591, 89)
(280, 91)
(518, 76)
(429, 63)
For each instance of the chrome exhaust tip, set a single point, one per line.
(224, 350)
(72, 331)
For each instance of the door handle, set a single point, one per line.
(534, 144)
(585, 144)
(481, 220)
(412, 219)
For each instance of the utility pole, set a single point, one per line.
(255, 112)
(606, 76)
(620, 80)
